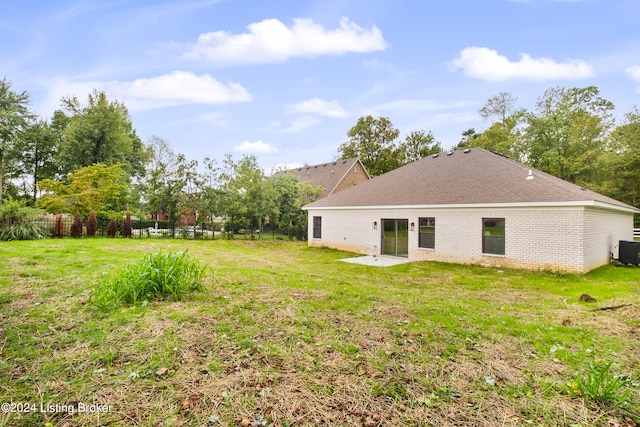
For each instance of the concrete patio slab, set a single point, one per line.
(377, 261)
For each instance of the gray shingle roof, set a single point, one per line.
(474, 176)
(326, 175)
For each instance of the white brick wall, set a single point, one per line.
(572, 239)
(603, 230)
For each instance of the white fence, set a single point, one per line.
(636, 233)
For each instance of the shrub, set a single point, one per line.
(112, 228)
(92, 224)
(20, 222)
(155, 276)
(126, 226)
(76, 227)
(58, 226)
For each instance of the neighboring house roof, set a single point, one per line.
(330, 175)
(470, 177)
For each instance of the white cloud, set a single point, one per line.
(319, 107)
(180, 87)
(271, 41)
(486, 64)
(420, 105)
(300, 124)
(255, 147)
(633, 72)
(176, 88)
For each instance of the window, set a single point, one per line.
(317, 227)
(493, 236)
(427, 236)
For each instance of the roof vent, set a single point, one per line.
(450, 153)
(467, 150)
(530, 176)
(435, 155)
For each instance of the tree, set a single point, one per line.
(374, 142)
(567, 134)
(245, 200)
(99, 132)
(468, 136)
(417, 144)
(622, 161)
(503, 134)
(13, 118)
(499, 107)
(90, 188)
(291, 195)
(168, 176)
(35, 153)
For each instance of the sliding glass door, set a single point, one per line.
(395, 237)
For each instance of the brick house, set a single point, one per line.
(333, 177)
(474, 207)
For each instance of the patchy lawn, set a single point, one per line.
(286, 335)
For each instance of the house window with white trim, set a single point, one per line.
(427, 233)
(317, 227)
(493, 236)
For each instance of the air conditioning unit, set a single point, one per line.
(629, 252)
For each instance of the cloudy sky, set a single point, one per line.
(285, 80)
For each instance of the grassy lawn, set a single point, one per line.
(286, 335)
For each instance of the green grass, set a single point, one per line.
(288, 335)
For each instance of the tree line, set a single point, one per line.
(87, 157)
(571, 134)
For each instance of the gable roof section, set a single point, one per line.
(329, 175)
(469, 177)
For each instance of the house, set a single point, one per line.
(474, 207)
(333, 176)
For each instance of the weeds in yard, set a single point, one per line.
(158, 275)
(604, 387)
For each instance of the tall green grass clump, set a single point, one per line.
(162, 275)
(20, 222)
(601, 385)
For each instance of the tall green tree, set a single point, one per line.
(621, 161)
(14, 116)
(35, 153)
(417, 144)
(374, 142)
(163, 186)
(246, 200)
(567, 133)
(291, 194)
(98, 132)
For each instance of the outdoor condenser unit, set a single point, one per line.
(629, 252)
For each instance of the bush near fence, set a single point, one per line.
(163, 229)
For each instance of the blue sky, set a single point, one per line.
(285, 80)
